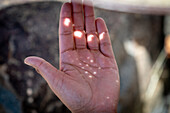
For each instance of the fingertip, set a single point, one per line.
(67, 4)
(32, 61)
(101, 25)
(99, 19)
(66, 9)
(27, 61)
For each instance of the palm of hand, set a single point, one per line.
(88, 80)
(91, 80)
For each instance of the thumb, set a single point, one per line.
(47, 71)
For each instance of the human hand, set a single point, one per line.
(88, 79)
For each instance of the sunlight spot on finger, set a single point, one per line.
(82, 67)
(80, 64)
(117, 81)
(99, 68)
(86, 72)
(78, 34)
(90, 38)
(90, 76)
(101, 36)
(91, 61)
(67, 22)
(108, 97)
(94, 73)
(88, 57)
(87, 65)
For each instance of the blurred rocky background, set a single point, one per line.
(32, 29)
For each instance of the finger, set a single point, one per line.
(48, 72)
(90, 26)
(78, 21)
(66, 40)
(78, 15)
(104, 38)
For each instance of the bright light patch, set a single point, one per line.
(108, 97)
(67, 22)
(101, 36)
(90, 37)
(117, 81)
(29, 91)
(78, 34)
(86, 72)
(91, 61)
(90, 76)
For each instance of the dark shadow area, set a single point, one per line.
(28, 30)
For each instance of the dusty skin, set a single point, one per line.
(88, 79)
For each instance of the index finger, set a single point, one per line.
(66, 40)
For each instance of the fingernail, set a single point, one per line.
(27, 62)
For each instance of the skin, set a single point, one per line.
(88, 79)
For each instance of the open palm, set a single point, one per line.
(88, 79)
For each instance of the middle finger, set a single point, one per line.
(78, 21)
